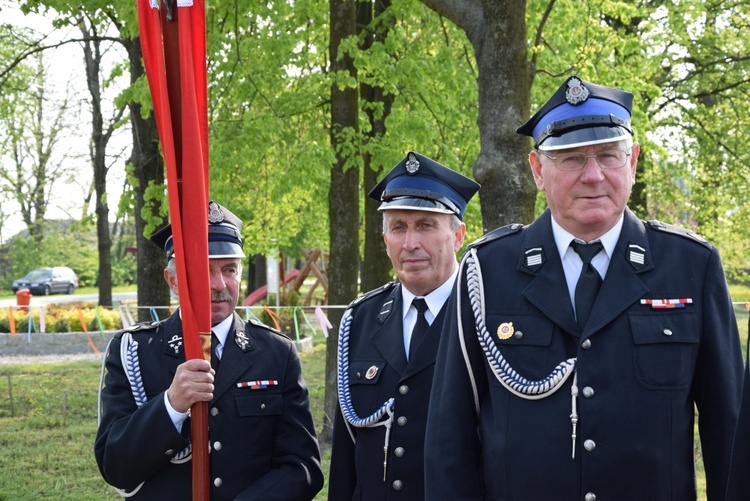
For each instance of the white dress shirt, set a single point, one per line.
(434, 300)
(571, 261)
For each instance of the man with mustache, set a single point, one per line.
(387, 344)
(261, 436)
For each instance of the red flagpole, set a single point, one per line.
(174, 54)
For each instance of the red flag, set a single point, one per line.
(174, 55)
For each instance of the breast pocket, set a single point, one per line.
(256, 436)
(666, 347)
(524, 341)
(367, 395)
(262, 404)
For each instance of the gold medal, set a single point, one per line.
(505, 330)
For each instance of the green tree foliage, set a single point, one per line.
(269, 149)
(687, 64)
(269, 106)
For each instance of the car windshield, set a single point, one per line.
(37, 274)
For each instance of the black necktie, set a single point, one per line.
(588, 282)
(420, 327)
(214, 356)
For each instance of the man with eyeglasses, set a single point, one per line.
(577, 349)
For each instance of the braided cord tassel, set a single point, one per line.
(344, 393)
(129, 357)
(514, 382)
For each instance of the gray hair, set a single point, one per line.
(171, 266)
(455, 222)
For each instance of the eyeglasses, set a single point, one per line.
(606, 159)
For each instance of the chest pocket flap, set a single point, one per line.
(259, 405)
(520, 330)
(666, 348)
(365, 372)
(525, 343)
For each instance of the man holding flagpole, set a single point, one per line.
(262, 443)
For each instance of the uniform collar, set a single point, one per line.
(434, 299)
(608, 240)
(222, 329)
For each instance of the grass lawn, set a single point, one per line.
(47, 429)
(48, 425)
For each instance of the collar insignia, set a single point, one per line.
(385, 311)
(534, 258)
(175, 345)
(242, 340)
(576, 93)
(636, 256)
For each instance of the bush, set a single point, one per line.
(62, 320)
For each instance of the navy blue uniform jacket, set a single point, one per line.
(641, 373)
(376, 340)
(739, 471)
(263, 444)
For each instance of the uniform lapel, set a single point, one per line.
(174, 345)
(388, 336)
(548, 290)
(622, 286)
(234, 360)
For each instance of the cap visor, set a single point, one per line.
(584, 137)
(224, 250)
(422, 204)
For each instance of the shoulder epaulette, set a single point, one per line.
(501, 232)
(142, 326)
(256, 323)
(375, 292)
(676, 230)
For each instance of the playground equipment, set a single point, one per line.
(315, 265)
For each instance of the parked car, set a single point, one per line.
(47, 281)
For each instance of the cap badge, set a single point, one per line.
(215, 214)
(576, 93)
(505, 330)
(412, 164)
(371, 372)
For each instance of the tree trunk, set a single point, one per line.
(376, 266)
(497, 31)
(256, 273)
(508, 191)
(148, 169)
(343, 195)
(98, 148)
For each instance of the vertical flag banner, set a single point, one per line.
(173, 42)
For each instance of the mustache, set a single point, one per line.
(221, 296)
